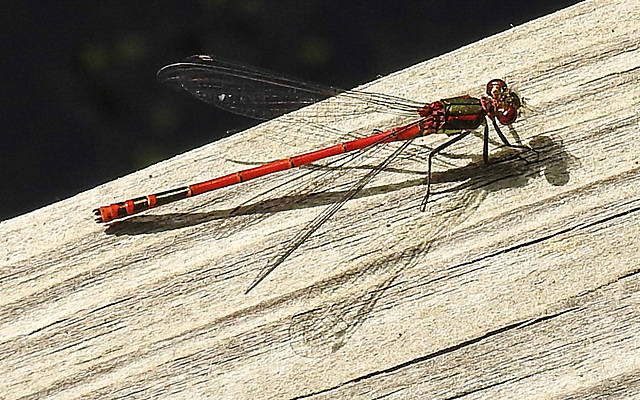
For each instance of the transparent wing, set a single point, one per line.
(262, 94)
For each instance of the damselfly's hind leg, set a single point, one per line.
(432, 153)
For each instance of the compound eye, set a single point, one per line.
(507, 116)
(496, 88)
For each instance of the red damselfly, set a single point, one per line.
(261, 94)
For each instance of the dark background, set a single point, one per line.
(80, 104)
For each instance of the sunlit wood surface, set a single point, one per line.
(520, 280)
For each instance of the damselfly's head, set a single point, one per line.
(504, 102)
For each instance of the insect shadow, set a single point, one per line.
(325, 329)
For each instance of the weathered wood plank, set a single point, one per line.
(519, 281)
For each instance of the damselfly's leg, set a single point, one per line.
(504, 138)
(485, 144)
(432, 153)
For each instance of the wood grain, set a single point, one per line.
(519, 281)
